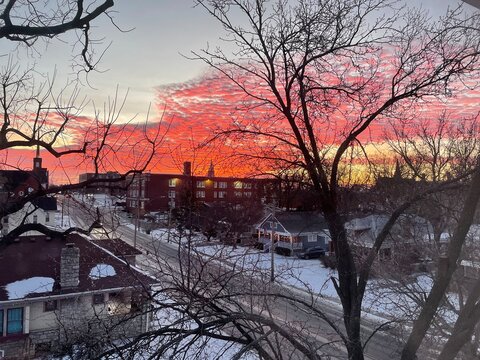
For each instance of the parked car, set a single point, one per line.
(312, 253)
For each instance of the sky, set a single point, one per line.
(148, 59)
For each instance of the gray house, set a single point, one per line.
(293, 232)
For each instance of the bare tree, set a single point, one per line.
(34, 115)
(328, 71)
(28, 21)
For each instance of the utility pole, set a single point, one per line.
(272, 259)
(169, 220)
(63, 204)
(139, 188)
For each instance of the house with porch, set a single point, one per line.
(409, 235)
(56, 293)
(293, 232)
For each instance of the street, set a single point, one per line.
(296, 310)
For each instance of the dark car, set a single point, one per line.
(312, 253)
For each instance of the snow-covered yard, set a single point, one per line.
(381, 299)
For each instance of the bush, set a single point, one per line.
(329, 261)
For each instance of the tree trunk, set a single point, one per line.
(444, 275)
(347, 288)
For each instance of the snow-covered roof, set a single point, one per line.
(30, 268)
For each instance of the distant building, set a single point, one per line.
(162, 192)
(404, 245)
(103, 186)
(15, 184)
(60, 292)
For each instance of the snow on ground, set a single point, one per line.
(312, 276)
(175, 236)
(101, 271)
(20, 289)
(64, 223)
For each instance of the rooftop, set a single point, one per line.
(30, 268)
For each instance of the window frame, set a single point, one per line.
(15, 321)
(222, 184)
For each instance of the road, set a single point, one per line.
(163, 255)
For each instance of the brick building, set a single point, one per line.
(161, 192)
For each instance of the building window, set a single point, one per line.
(247, 185)
(200, 184)
(237, 184)
(248, 194)
(50, 305)
(15, 321)
(1, 322)
(222, 194)
(312, 238)
(215, 194)
(98, 299)
(142, 204)
(171, 194)
(238, 194)
(200, 194)
(272, 224)
(35, 219)
(172, 182)
(215, 184)
(222, 184)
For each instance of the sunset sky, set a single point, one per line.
(146, 59)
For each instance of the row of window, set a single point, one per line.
(216, 184)
(34, 218)
(223, 194)
(11, 320)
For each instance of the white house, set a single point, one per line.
(59, 292)
(41, 210)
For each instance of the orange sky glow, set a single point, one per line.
(189, 113)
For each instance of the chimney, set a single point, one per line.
(187, 168)
(69, 266)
